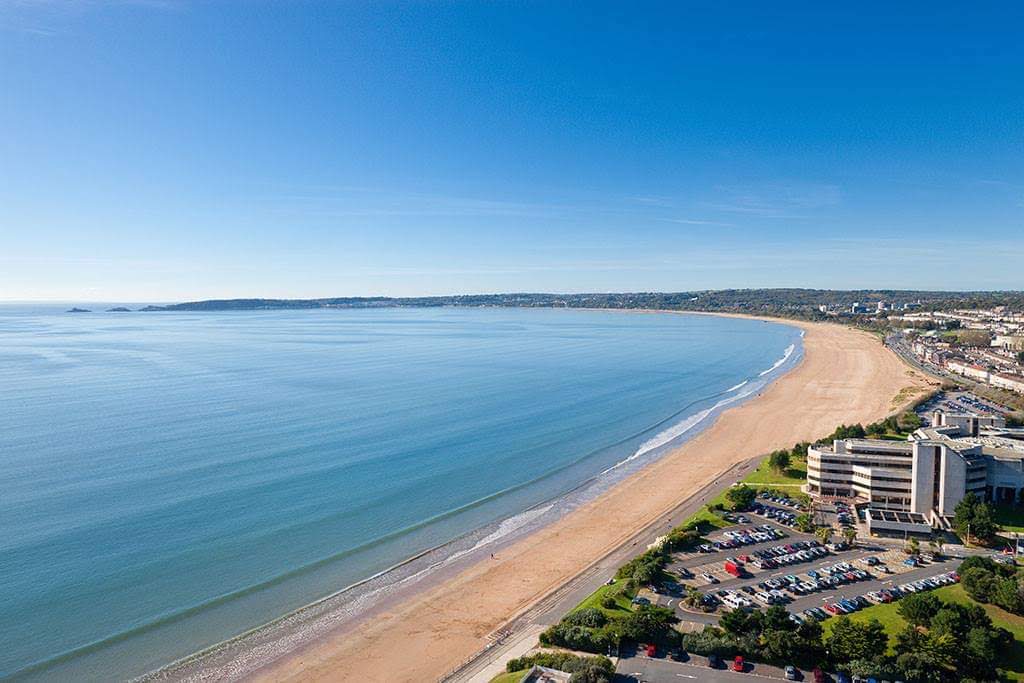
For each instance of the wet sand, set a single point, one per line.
(845, 376)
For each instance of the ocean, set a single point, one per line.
(170, 480)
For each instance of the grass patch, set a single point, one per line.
(764, 475)
(706, 521)
(1012, 664)
(885, 613)
(513, 677)
(1010, 518)
(622, 602)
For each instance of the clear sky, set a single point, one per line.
(165, 150)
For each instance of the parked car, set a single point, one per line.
(738, 664)
(791, 673)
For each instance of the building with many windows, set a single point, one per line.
(926, 475)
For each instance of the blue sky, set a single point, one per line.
(163, 150)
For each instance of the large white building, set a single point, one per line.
(928, 474)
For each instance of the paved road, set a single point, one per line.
(552, 608)
(658, 670)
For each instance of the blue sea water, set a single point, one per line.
(169, 480)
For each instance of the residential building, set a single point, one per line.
(1008, 381)
(962, 367)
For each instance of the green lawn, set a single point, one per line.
(513, 677)
(622, 602)
(885, 613)
(706, 521)
(764, 476)
(1010, 518)
(1013, 662)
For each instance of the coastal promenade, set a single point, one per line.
(845, 376)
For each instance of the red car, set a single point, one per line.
(737, 664)
(651, 650)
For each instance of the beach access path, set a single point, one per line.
(845, 376)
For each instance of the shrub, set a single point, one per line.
(588, 616)
(645, 567)
(740, 497)
(577, 638)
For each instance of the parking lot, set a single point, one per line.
(778, 565)
(959, 402)
(881, 586)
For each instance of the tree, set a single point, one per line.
(1020, 357)
(913, 547)
(978, 582)
(1006, 594)
(984, 526)
(919, 608)
(824, 534)
(694, 598)
(740, 497)
(776, 618)
(979, 653)
(648, 624)
(850, 535)
(972, 518)
(937, 543)
(738, 622)
(779, 461)
(591, 672)
(851, 640)
(804, 522)
(588, 616)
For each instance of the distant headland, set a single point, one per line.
(809, 304)
(79, 310)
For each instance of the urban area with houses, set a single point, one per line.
(881, 552)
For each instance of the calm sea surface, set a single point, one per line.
(168, 480)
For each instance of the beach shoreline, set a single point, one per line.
(329, 654)
(251, 650)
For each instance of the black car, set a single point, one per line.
(714, 661)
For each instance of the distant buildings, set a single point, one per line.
(971, 355)
(927, 475)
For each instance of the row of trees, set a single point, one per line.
(591, 630)
(769, 636)
(942, 642)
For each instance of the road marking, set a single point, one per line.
(685, 676)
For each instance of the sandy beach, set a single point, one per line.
(845, 376)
